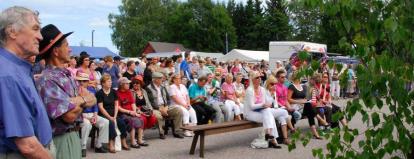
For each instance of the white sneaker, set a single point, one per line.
(188, 134)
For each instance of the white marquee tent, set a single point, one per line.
(246, 55)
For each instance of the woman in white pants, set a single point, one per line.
(231, 102)
(256, 110)
(180, 98)
(281, 115)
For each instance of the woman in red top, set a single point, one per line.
(128, 111)
(143, 104)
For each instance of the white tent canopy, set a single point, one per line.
(192, 54)
(207, 54)
(246, 55)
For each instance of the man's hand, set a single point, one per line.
(164, 111)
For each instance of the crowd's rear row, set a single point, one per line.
(67, 95)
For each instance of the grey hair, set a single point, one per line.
(15, 17)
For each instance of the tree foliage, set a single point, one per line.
(380, 33)
(139, 21)
(201, 25)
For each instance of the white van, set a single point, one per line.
(282, 50)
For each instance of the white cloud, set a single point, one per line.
(99, 22)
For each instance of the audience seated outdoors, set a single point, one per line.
(142, 100)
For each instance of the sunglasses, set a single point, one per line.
(325, 76)
(272, 84)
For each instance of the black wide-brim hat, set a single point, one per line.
(51, 36)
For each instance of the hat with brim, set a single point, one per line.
(51, 36)
(82, 77)
(123, 80)
(157, 75)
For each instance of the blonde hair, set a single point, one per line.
(252, 75)
(270, 79)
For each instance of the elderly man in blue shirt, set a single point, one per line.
(25, 131)
(198, 100)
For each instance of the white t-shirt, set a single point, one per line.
(181, 93)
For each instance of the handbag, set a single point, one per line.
(260, 142)
(118, 145)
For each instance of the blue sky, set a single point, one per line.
(80, 16)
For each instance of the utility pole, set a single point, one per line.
(227, 44)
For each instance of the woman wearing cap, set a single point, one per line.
(128, 110)
(257, 110)
(107, 100)
(180, 98)
(280, 114)
(90, 117)
(143, 106)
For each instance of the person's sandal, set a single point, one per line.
(317, 137)
(136, 146)
(125, 148)
(272, 142)
(286, 141)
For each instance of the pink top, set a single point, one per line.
(235, 70)
(73, 71)
(281, 92)
(229, 89)
(258, 97)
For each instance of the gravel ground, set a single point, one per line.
(227, 145)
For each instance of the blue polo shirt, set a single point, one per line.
(195, 91)
(22, 112)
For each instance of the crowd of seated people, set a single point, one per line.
(134, 96)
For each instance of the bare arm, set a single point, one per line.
(116, 108)
(31, 148)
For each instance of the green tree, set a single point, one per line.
(380, 34)
(139, 21)
(201, 25)
(276, 20)
(306, 21)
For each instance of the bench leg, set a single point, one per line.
(194, 143)
(202, 145)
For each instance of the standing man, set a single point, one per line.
(63, 98)
(185, 66)
(159, 98)
(25, 131)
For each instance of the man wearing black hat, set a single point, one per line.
(63, 98)
(24, 125)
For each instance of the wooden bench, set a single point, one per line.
(217, 128)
